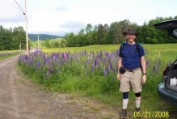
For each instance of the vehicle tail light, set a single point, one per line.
(165, 71)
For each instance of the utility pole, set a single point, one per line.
(38, 41)
(20, 46)
(26, 20)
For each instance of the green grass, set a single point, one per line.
(149, 47)
(88, 48)
(11, 53)
(95, 86)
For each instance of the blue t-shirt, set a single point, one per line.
(130, 55)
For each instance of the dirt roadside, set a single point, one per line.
(21, 99)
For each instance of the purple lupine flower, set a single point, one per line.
(51, 63)
(107, 69)
(85, 52)
(107, 54)
(93, 67)
(117, 52)
(109, 59)
(38, 64)
(105, 72)
(100, 54)
(96, 62)
(64, 55)
(62, 62)
(67, 56)
(115, 59)
(111, 67)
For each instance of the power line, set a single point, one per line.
(26, 22)
(19, 7)
(23, 13)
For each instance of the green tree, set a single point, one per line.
(47, 44)
(19, 38)
(88, 28)
(112, 34)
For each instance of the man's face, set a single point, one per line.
(130, 37)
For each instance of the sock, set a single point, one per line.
(125, 103)
(137, 103)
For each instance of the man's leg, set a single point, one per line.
(137, 87)
(123, 114)
(137, 101)
(125, 100)
(124, 88)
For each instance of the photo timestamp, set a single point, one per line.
(151, 114)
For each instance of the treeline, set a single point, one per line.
(112, 34)
(11, 39)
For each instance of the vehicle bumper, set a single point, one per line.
(169, 95)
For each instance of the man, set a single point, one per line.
(132, 69)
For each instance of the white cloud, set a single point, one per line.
(9, 12)
(71, 26)
(62, 16)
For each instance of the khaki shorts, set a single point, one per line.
(133, 78)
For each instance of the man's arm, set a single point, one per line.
(143, 64)
(119, 65)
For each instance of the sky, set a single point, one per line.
(58, 17)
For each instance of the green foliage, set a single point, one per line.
(47, 43)
(112, 34)
(10, 39)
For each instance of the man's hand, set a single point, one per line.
(144, 79)
(118, 76)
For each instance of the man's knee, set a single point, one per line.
(125, 95)
(138, 94)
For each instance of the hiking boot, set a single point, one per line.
(137, 110)
(123, 114)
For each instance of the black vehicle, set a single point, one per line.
(167, 89)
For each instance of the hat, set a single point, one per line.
(130, 31)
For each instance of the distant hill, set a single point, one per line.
(43, 36)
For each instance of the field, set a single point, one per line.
(91, 71)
